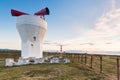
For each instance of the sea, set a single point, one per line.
(89, 52)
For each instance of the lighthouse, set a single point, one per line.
(32, 29)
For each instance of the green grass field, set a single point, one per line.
(73, 71)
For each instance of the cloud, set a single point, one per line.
(106, 31)
(105, 34)
(107, 25)
(113, 2)
(55, 42)
(108, 43)
(91, 44)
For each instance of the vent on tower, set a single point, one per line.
(34, 38)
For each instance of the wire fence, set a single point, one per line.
(104, 64)
(108, 65)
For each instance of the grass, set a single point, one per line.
(48, 72)
(73, 71)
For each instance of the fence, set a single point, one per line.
(106, 64)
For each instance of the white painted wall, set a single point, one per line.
(30, 26)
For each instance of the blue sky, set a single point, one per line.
(84, 24)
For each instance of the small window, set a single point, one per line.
(32, 45)
(34, 38)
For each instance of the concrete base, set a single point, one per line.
(33, 60)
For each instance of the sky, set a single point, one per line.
(92, 25)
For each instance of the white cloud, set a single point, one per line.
(113, 2)
(106, 30)
(104, 36)
(108, 24)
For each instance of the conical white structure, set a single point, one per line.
(32, 29)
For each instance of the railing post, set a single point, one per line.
(118, 69)
(100, 64)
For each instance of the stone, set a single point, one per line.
(66, 60)
(54, 60)
(9, 62)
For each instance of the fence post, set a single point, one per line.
(82, 58)
(118, 69)
(100, 64)
(85, 58)
(78, 57)
(68, 55)
(91, 62)
(71, 55)
(74, 56)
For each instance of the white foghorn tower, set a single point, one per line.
(32, 29)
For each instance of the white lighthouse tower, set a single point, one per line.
(32, 29)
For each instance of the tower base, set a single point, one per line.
(33, 60)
